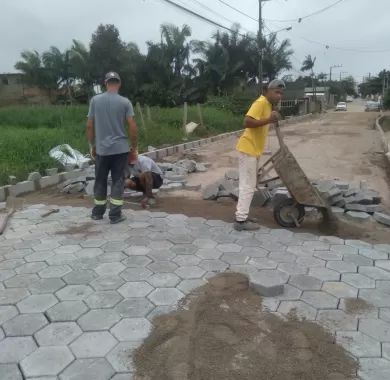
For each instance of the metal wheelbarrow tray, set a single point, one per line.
(290, 212)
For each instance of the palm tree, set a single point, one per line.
(308, 65)
(177, 49)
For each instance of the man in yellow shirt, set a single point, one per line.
(251, 146)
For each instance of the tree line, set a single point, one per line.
(174, 70)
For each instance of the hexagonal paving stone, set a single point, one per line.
(229, 248)
(358, 344)
(135, 289)
(384, 314)
(236, 258)
(213, 265)
(376, 297)
(105, 299)
(268, 283)
(92, 243)
(165, 296)
(7, 313)
(358, 280)
(337, 320)
(163, 267)
(109, 269)
(164, 280)
(340, 289)
(342, 266)
(46, 286)
(292, 268)
(107, 283)
(261, 263)
(46, 361)
(114, 246)
(120, 356)
(24, 324)
(68, 249)
(383, 264)
(375, 328)
(328, 256)
(58, 334)
(180, 238)
(324, 274)
(136, 274)
(74, 293)
(305, 282)
(96, 320)
(358, 260)
(282, 257)
(162, 255)
(10, 372)
(190, 272)
(13, 350)
(21, 281)
(134, 307)
(204, 243)
(112, 257)
(31, 267)
(159, 245)
(186, 286)
(184, 249)
(131, 329)
(136, 261)
(6, 274)
(342, 249)
(66, 311)
(93, 344)
(373, 254)
(300, 309)
(89, 253)
(80, 277)
(55, 271)
(209, 253)
(353, 306)
(96, 369)
(46, 245)
(319, 299)
(37, 303)
(186, 260)
(374, 369)
(374, 273)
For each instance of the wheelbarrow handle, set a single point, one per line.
(279, 134)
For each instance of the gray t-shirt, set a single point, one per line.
(109, 112)
(144, 164)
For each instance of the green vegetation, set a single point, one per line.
(28, 133)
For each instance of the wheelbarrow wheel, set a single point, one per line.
(288, 212)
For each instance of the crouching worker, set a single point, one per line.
(143, 175)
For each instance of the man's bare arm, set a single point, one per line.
(133, 133)
(250, 122)
(90, 132)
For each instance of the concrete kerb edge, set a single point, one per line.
(385, 142)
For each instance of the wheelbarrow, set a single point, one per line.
(290, 212)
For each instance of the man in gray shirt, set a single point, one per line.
(109, 145)
(143, 174)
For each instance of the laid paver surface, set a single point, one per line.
(76, 297)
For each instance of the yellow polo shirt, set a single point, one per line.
(252, 141)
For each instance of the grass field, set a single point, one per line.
(28, 133)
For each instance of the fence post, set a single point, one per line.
(148, 114)
(139, 110)
(185, 116)
(198, 107)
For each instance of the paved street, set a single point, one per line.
(76, 297)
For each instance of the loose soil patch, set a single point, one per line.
(357, 306)
(222, 333)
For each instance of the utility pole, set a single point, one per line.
(260, 46)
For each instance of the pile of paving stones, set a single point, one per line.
(175, 177)
(224, 187)
(358, 203)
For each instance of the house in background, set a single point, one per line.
(14, 91)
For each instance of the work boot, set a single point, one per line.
(96, 217)
(246, 226)
(117, 219)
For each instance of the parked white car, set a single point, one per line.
(341, 106)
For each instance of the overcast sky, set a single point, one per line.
(352, 24)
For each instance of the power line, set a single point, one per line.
(204, 18)
(299, 19)
(237, 10)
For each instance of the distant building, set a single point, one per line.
(14, 91)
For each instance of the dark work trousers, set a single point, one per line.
(115, 164)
